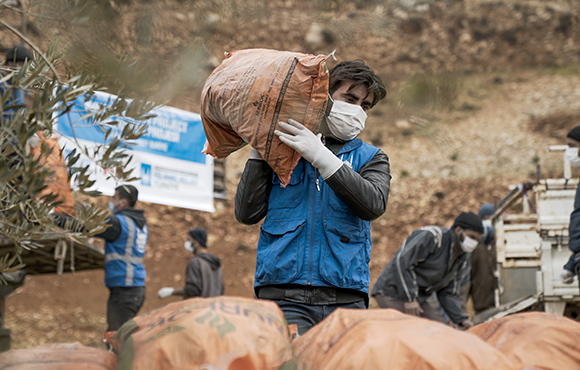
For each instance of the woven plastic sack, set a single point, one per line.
(246, 96)
(534, 339)
(63, 356)
(59, 183)
(206, 333)
(388, 339)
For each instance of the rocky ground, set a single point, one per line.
(478, 91)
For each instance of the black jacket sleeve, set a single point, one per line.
(111, 234)
(365, 192)
(113, 231)
(251, 201)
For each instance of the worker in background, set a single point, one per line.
(125, 242)
(204, 274)
(431, 259)
(16, 96)
(484, 264)
(572, 267)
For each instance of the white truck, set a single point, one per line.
(531, 227)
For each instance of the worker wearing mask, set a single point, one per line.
(431, 259)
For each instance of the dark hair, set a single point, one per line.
(18, 53)
(128, 192)
(360, 73)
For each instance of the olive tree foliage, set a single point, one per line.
(53, 83)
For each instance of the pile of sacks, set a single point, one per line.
(245, 334)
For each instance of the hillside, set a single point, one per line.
(478, 90)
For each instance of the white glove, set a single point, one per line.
(165, 292)
(309, 146)
(567, 276)
(33, 141)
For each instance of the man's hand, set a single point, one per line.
(165, 292)
(301, 139)
(309, 146)
(413, 308)
(466, 324)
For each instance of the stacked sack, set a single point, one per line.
(65, 356)
(206, 333)
(389, 339)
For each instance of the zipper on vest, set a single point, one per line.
(312, 229)
(317, 182)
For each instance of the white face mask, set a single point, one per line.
(486, 223)
(111, 206)
(188, 246)
(345, 120)
(572, 155)
(468, 244)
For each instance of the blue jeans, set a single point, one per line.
(306, 316)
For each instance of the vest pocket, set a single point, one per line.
(290, 196)
(345, 261)
(277, 257)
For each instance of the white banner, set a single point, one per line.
(167, 158)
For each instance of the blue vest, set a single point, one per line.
(309, 236)
(124, 257)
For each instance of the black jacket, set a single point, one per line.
(114, 231)
(424, 265)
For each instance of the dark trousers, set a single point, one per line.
(429, 312)
(123, 305)
(305, 316)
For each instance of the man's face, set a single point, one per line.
(460, 232)
(118, 202)
(573, 143)
(358, 95)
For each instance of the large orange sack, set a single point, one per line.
(58, 184)
(251, 91)
(388, 339)
(202, 333)
(535, 339)
(63, 356)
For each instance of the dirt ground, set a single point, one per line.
(506, 85)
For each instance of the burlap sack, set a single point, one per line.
(64, 356)
(388, 339)
(251, 91)
(534, 339)
(206, 333)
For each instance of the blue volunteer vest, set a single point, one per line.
(309, 236)
(124, 257)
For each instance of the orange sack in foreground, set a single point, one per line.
(251, 91)
(59, 183)
(211, 333)
(389, 339)
(534, 339)
(63, 356)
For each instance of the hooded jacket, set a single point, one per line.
(204, 276)
(125, 242)
(424, 265)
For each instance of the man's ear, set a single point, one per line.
(124, 203)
